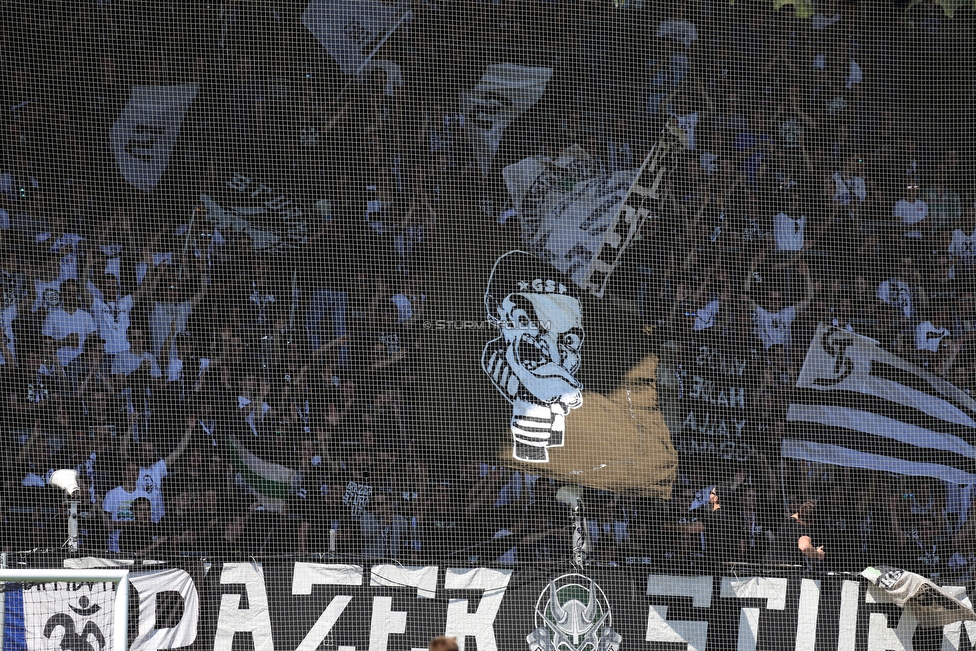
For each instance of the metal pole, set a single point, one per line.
(294, 299)
(581, 537)
(3, 599)
(186, 240)
(73, 526)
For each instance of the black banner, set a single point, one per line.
(718, 401)
(308, 606)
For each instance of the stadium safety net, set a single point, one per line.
(558, 325)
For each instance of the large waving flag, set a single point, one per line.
(566, 207)
(931, 604)
(860, 406)
(273, 218)
(581, 220)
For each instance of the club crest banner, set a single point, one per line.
(62, 615)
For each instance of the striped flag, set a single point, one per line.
(857, 405)
(270, 483)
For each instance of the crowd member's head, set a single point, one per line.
(443, 643)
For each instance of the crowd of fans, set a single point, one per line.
(826, 183)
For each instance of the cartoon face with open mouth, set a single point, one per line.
(534, 361)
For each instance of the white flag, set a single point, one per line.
(505, 92)
(144, 135)
(566, 207)
(352, 30)
(932, 605)
(62, 615)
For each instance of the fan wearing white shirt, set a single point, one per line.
(47, 285)
(911, 212)
(68, 323)
(789, 226)
(154, 468)
(62, 243)
(773, 322)
(111, 306)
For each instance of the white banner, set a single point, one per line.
(271, 217)
(62, 615)
(153, 634)
(930, 603)
(581, 220)
(145, 133)
(352, 30)
(505, 92)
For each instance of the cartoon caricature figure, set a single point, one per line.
(534, 361)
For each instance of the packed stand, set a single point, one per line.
(827, 184)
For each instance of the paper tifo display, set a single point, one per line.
(144, 135)
(503, 94)
(931, 605)
(860, 406)
(351, 32)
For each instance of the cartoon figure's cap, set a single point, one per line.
(521, 272)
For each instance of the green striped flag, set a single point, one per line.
(270, 482)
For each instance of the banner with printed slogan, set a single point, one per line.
(279, 604)
(144, 135)
(353, 30)
(503, 94)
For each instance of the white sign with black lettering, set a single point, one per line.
(271, 217)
